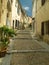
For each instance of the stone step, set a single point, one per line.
(23, 33)
(22, 38)
(26, 51)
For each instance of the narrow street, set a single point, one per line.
(28, 51)
(24, 32)
(24, 41)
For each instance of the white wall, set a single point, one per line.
(34, 8)
(14, 10)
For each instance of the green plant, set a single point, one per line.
(11, 33)
(5, 35)
(6, 32)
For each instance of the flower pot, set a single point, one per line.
(3, 50)
(2, 54)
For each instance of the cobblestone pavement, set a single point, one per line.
(35, 58)
(24, 41)
(25, 44)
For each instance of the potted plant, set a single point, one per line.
(3, 47)
(5, 35)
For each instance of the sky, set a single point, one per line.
(27, 5)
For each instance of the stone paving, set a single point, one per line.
(28, 58)
(23, 41)
(6, 60)
(36, 58)
(21, 44)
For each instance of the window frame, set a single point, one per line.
(43, 2)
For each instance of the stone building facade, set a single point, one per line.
(5, 12)
(11, 13)
(17, 14)
(42, 18)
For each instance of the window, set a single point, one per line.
(42, 28)
(43, 2)
(8, 5)
(11, 1)
(16, 5)
(1, 1)
(18, 10)
(45, 28)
